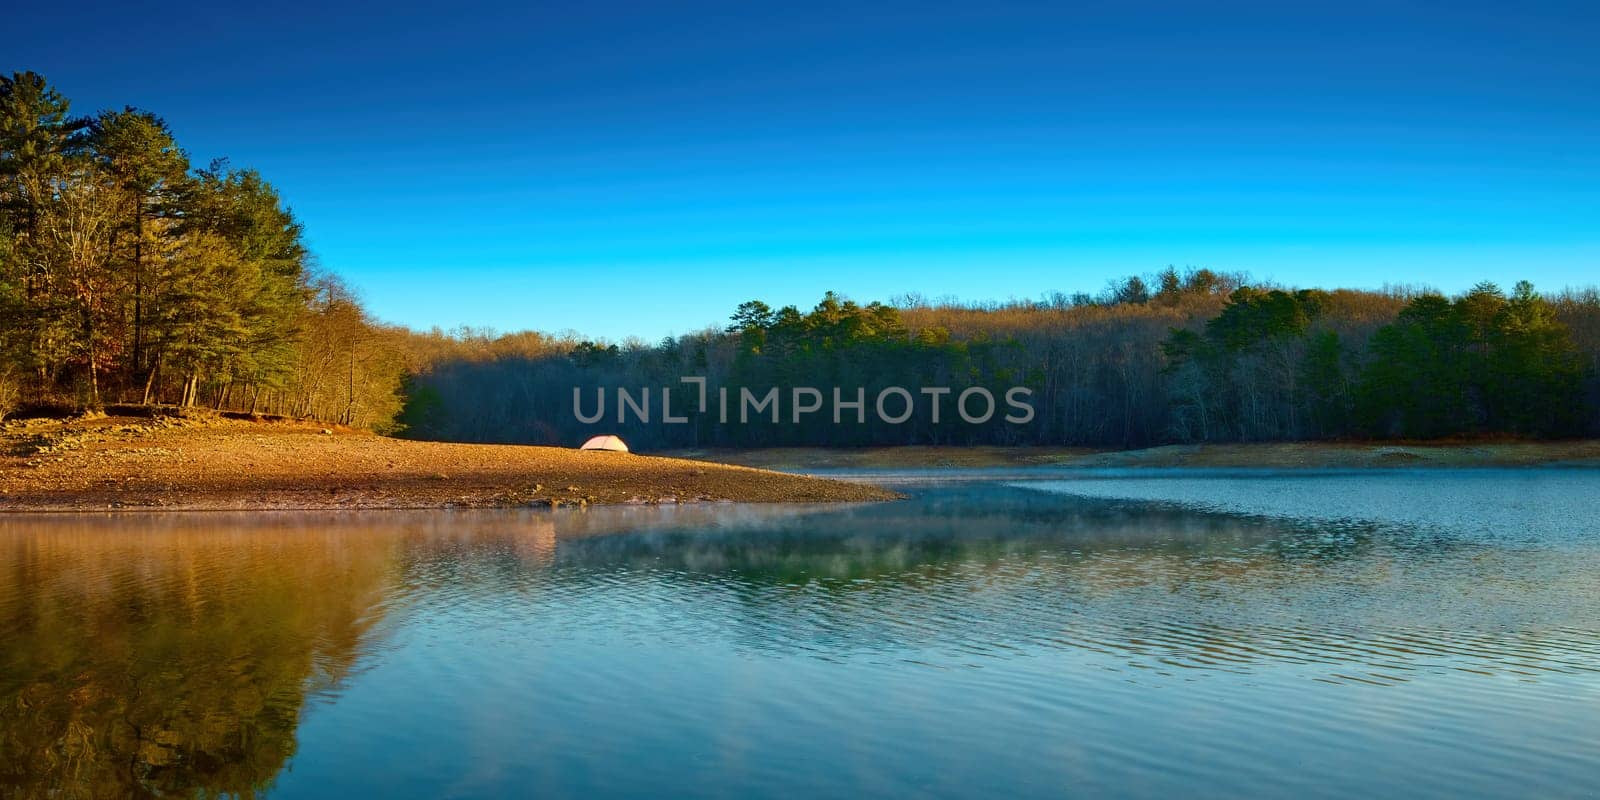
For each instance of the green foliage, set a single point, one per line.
(127, 275)
(1482, 363)
(178, 686)
(1247, 376)
(137, 150)
(1415, 383)
(1269, 366)
(1327, 373)
(124, 272)
(1206, 358)
(591, 354)
(423, 408)
(1253, 316)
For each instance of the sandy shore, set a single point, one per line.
(215, 464)
(1276, 455)
(209, 463)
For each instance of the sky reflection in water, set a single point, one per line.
(1426, 633)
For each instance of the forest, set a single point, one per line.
(129, 275)
(1179, 356)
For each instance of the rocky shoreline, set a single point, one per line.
(206, 462)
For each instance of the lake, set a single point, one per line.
(1023, 633)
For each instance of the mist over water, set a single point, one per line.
(1148, 634)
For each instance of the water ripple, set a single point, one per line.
(1136, 636)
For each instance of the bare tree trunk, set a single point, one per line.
(138, 284)
(94, 362)
(350, 402)
(150, 380)
(94, 379)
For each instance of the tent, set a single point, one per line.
(605, 443)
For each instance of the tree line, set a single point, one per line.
(1288, 365)
(129, 275)
(1195, 356)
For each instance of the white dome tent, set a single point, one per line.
(607, 442)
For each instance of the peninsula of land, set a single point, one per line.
(214, 463)
(199, 461)
(1262, 455)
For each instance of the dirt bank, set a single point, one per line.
(209, 464)
(1276, 455)
(909, 457)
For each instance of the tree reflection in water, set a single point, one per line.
(173, 656)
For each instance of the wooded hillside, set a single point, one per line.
(1200, 357)
(129, 275)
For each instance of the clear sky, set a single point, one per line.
(633, 168)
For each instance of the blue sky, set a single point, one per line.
(539, 165)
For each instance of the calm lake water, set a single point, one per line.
(1032, 634)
